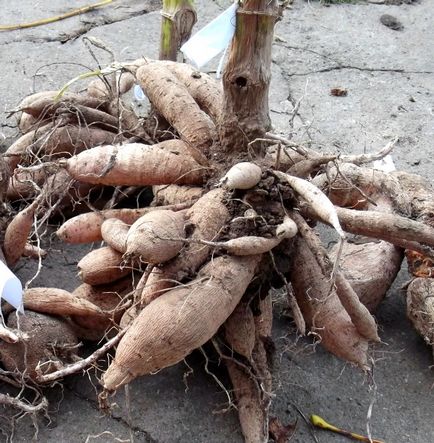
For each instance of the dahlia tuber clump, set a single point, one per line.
(225, 224)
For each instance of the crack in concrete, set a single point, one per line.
(83, 30)
(294, 104)
(93, 404)
(6, 125)
(357, 68)
(338, 65)
(299, 48)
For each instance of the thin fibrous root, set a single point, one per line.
(82, 364)
(16, 403)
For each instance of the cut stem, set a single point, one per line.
(178, 20)
(247, 75)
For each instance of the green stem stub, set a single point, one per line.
(179, 17)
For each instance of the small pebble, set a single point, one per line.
(391, 22)
(339, 92)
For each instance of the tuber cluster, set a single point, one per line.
(196, 264)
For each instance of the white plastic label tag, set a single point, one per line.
(385, 164)
(138, 93)
(211, 39)
(11, 289)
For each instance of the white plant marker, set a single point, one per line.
(212, 39)
(11, 289)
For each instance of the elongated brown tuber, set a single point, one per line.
(114, 232)
(173, 101)
(155, 237)
(17, 233)
(370, 267)
(180, 320)
(111, 299)
(58, 302)
(102, 266)
(323, 311)
(50, 343)
(117, 165)
(420, 308)
(206, 218)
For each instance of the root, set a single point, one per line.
(190, 292)
(420, 308)
(323, 310)
(393, 228)
(24, 407)
(251, 380)
(82, 364)
(359, 314)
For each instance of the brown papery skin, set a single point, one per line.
(63, 141)
(250, 410)
(16, 151)
(420, 307)
(180, 147)
(50, 343)
(98, 88)
(110, 299)
(171, 194)
(86, 228)
(239, 330)
(206, 91)
(155, 237)
(28, 122)
(370, 268)
(251, 390)
(206, 217)
(71, 139)
(114, 232)
(27, 101)
(22, 183)
(102, 266)
(41, 106)
(58, 302)
(181, 320)
(17, 233)
(173, 101)
(117, 166)
(323, 312)
(47, 105)
(345, 185)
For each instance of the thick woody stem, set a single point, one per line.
(247, 76)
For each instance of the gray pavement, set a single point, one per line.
(389, 76)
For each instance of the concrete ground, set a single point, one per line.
(389, 76)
